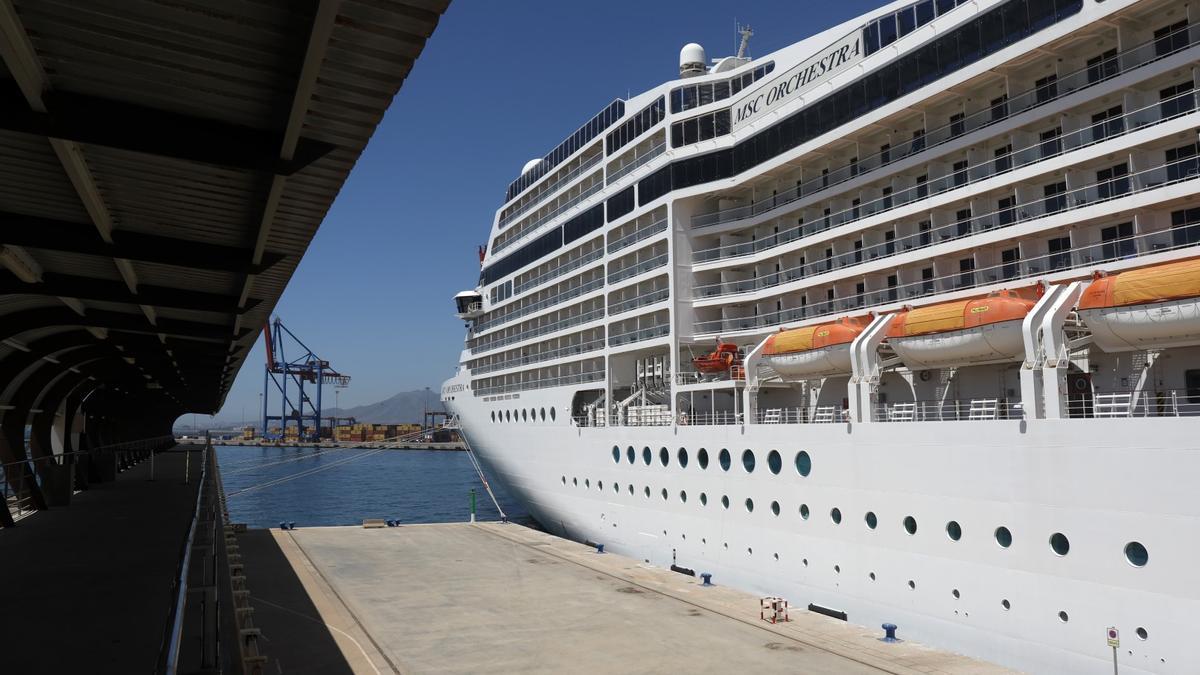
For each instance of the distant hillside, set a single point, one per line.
(407, 406)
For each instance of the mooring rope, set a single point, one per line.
(479, 470)
(302, 474)
(265, 464)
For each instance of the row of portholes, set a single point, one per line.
(802, 461)
(522, 415)
(1135, 553)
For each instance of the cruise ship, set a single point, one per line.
(900, 322)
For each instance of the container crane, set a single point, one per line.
(290, 377)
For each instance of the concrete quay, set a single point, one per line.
(502, 598)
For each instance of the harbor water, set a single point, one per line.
(323, 486)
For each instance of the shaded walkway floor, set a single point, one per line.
(87, 587)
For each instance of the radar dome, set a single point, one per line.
(691, 60)
(530, 164)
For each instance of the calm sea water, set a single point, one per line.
(323, 486)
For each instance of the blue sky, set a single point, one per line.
(500, 82)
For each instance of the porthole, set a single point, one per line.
(703, 499)
(725, 501)
(493, 416)
(683, 496)
(953, 530)
(804, 562)
(564, 480)
(630, 454)
(542, 414)
(1142, 633)
(524, 416)
(749, 551)
(871, 576)
(956, 594)
(682, 457)
(646, 455)
(871, 520)
(616, 454)
(803, 463)
(507, 416)
(774, 462)
(617, 488)
(664, 494)
(587, 482)
(630, 489)
(600, 485)
(775, 556)
(664, 456)
(749, 505)
(837, 569)
(1003, 537)
(910, 524)
(1060, 544)
(912, 585)
(724, 460)
(748, 461)
(1006, 604)
(835, 515)
(552, 414)
(702, 457)
(647, 491)
(1136, 554)
(575, 481)
(1063, 617)
(804, 511)
(775, 508)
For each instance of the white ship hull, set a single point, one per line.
(1035, 478)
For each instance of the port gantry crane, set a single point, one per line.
(289, 378)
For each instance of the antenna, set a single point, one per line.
(746, 34)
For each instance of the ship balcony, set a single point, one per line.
(1109, 129)
(1015, 104)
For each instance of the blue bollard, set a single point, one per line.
(390, 523)
(707, 577)
(599, 548)
(291, 525)
(282, 525)
(889, 630)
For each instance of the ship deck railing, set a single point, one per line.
(953, 410)
(1041, 95)
(637, 162)
(549, 188)
(1181, 236)
(1128, 403)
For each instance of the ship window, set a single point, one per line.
(552, 414)
(646, 455)
(725, 501)
(630, 454)
(631, 489)
(575, 481)
(647, 491)
(493, 416)
(616, 454)
(749, 505)
(723, 459)
(587, 482)
(910, 524)
(1142, 633)
(1136, 554)
(1063, 617)
(600, 485)
(1006, 604)
(836, 516)
(703, 499)
(702, 457)
(1059, 543)
(804, 511)
(664, 456)
(664, 494)
(803, 463)
(748, 461)
(775, 508)
(912, 585)
(954, 530)
(682, 457)
(683, 496)
(774, 462)
(564, 480)
(1003, 537)
(871, 520)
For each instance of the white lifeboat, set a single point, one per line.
(1150, 307)
(813, 352)
(962, 332)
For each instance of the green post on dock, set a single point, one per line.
(472, 505)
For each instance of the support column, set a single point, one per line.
(750, 392)
(1054, 349)
(1031, 367)
(866, 369)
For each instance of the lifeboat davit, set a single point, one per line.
(1149, 307)
(814, 351)
(962, 332)
(717, 361)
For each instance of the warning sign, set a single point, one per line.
(1114, 637)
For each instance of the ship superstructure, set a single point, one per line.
(901, 322)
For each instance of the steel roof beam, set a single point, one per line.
(18, 322)
(89, 288)
(91, 120)
(58, 235)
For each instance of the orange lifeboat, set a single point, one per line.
(813, 352)
(719, 360)
(963, 332)
(1149, 307)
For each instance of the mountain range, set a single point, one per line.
(407, 406)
